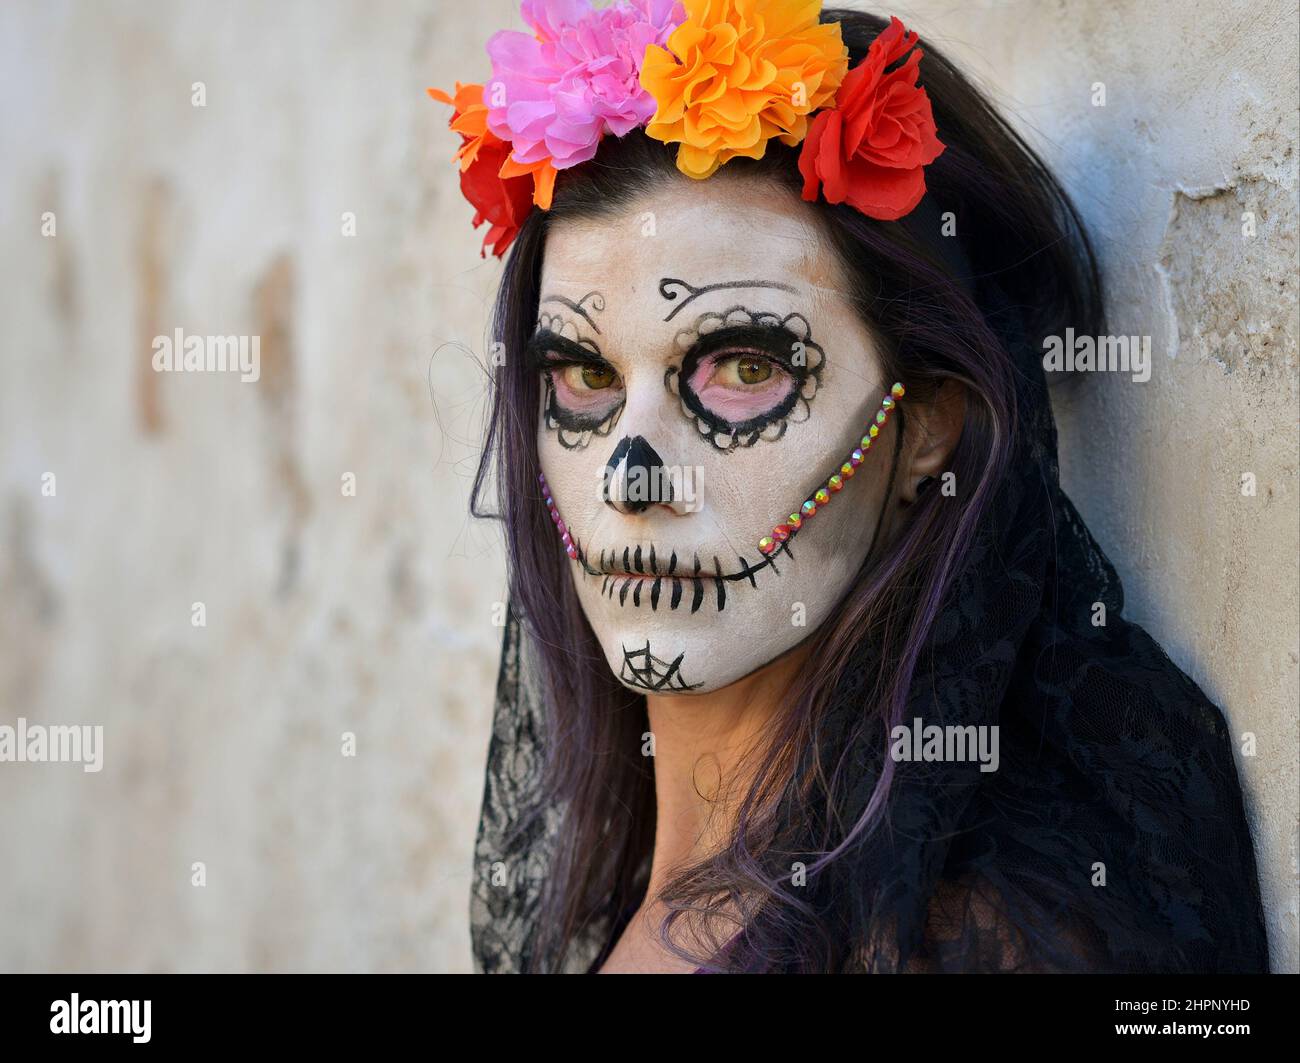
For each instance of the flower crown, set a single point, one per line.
(719, 78)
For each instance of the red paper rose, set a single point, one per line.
(871, 148)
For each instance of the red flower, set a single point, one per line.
(503, 203)
(870, 150)
(501, 191)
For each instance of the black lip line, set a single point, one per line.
(635, 564)
(620, 581)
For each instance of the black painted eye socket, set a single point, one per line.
(584, 393)
(748, 378)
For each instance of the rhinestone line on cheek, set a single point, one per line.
(821, 497)
(565, 537)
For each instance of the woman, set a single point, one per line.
(810, 664)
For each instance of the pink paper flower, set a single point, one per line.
(555, 94)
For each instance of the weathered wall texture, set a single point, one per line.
(1199, 127)
(373, 614)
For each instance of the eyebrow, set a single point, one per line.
(541, 342)
(671, 287)
(598, 303)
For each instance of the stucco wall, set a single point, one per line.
(372, 613)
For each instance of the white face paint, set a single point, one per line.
(721, 356)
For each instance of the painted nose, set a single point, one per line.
(635, 477)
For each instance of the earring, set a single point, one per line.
(924, 484)
(782, 533)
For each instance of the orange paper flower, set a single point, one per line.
(736, 74)
(469, 120)
(496, 186)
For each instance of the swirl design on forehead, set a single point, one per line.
(595, 298)
(671, 287)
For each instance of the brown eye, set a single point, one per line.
(743, 369)
(597, 377)
(580, 378)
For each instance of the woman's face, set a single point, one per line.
(704, 374)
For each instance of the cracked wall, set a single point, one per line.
(1198, 129)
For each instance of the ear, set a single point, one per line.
(933, 429)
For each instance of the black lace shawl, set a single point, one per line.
(1112, 837)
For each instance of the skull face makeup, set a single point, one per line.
(699, 385)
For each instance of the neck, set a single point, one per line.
(704, 761)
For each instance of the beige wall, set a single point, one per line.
(373, 614)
